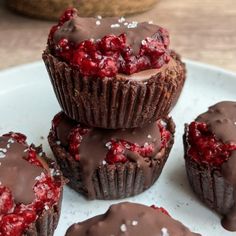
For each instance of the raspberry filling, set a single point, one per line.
(15, 218)
(116, 149)
(205, 148)
(111, 54)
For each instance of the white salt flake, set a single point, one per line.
(46, 207)
(150, 22)
(149, 136)
(143, 42)
(134, 223)
(104, 162)
(2, 155)
(58, 142)
(121, 20)
(98, 22)
(11, 140)
(115, 25)
(26, 150)
(108, 144)
(3, 150)
(126, 23)
(8, 145)
(99, 17)
(38, 178)
(146, 144)
(132, 25)
(123, 228)
(164, 232)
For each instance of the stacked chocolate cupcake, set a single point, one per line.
(116, 82)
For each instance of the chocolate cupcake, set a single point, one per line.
(130, 219)
(111, 73)
(110, 164)
(30, 189)
(210, 155)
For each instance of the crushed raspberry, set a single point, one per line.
(111, 54)
(163, 210)
(32, 157)
(75, 138)
(67, 15)
(18, 137)
(6, 201)
(16, 218)
(205, 147)
(165, 135)
(116, 149)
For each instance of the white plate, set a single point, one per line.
(28, 104)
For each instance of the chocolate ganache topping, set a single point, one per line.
(130, 219)
(106, 47)
(221, 121)
(16, 173)
(94, 146)
(79, 29)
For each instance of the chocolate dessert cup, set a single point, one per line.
(110, 73)
(110, 164)
(210, 154)
(30, 189)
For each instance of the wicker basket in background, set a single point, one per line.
(52, 9)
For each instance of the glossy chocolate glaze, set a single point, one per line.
(93, 150)
(221, 120)
(130, 219)
(15, 172)
(79, 29)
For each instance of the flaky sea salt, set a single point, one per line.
(121, 20)
(98, 22)
(134, 223)
(123, 228)
(132, 25)
(2, 155)
(164, 232)
(115, 25)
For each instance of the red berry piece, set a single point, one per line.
(107, 68)
(163, 210)
(205, 147)
(67, 15)
(32, 157)
(75, 138)
(6, 201)
(116, 152)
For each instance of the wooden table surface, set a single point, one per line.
(200, 30)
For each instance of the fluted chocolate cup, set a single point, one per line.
(117, 102)
(95, 177)
(210, 186)
(47, 222)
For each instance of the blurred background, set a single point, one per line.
(200, 30)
